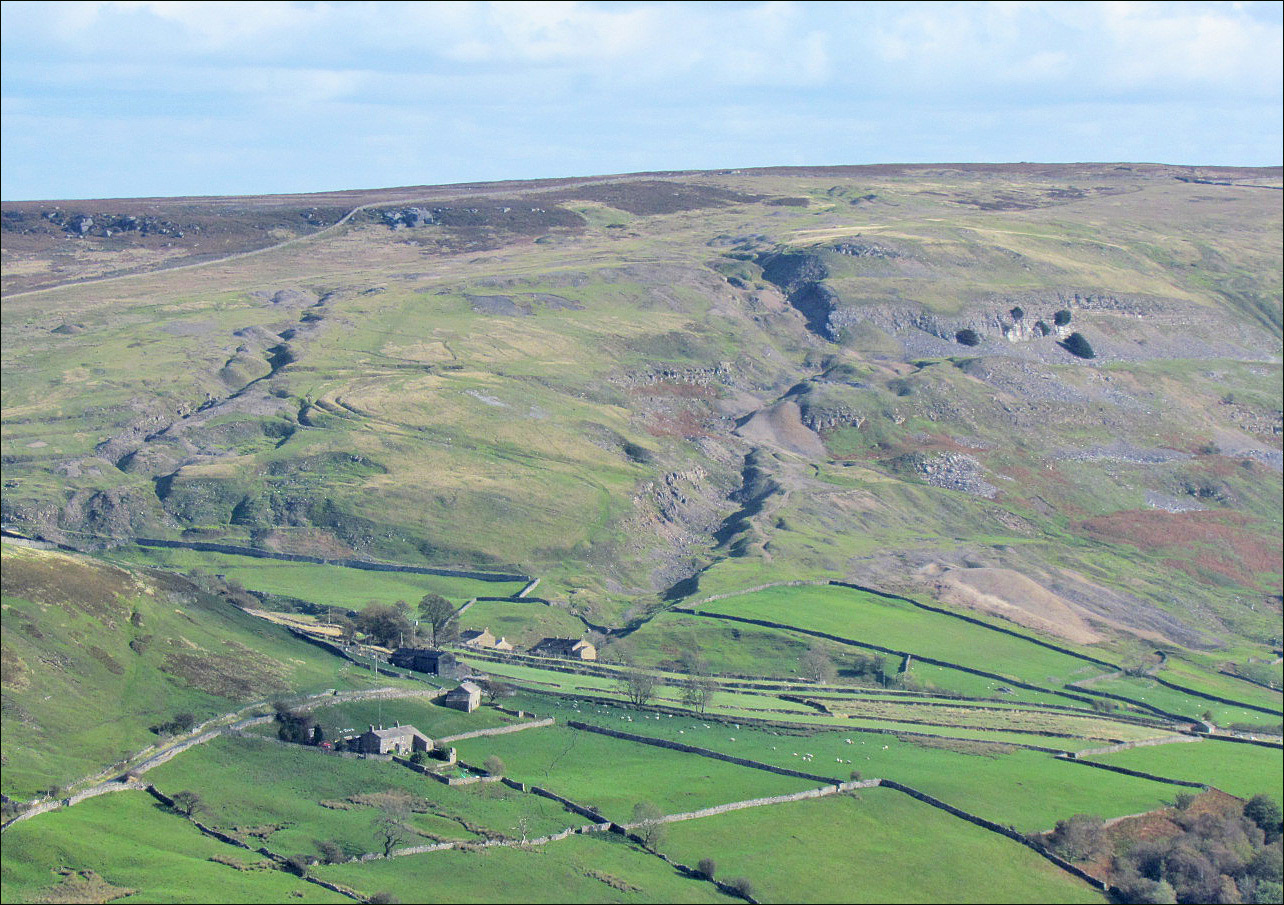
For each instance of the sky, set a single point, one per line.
(130, 99)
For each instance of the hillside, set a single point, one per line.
(95, 654)
(652, 385)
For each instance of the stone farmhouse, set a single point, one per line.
(466, 697)
(397, 740)
(566, 648)
(483, 639)
(433, 662)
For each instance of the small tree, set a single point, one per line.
(440, 616)
(698, 692)
(707, 868)
(1077, 344)
(1018, 313)
(647, 825)
(1183, 800)
(188, 803)
(1061, 318)
(816, 665)
(637, 685)
(318, 735)
(392, 827)
(493, 689)
(1042, 327)
(383, 624)
(494, 766)
(968, 337)
(1265, 812)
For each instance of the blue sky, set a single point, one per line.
(105, 99)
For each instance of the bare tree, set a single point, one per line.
(637, 685)
(392, 826)
(188, 803)
(647, 824)
(698, 692)
(493, 689)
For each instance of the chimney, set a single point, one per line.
(372, 727)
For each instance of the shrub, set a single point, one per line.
(968, 337)
(1081, 838)
(297, 865)
(1183, 800)
(1018, 313)
(1042, 327)
(707, 868)
(331, 852)
(1077, 344)
(855, 776)
(494, 766)
(1061, 318)
(743, 886)
(1265, 812)
(383, 898)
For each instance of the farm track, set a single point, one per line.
(325, 232)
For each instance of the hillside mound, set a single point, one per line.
(1011, 595)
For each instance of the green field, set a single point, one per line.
(899, 626)
(1170, 700)
(591, 868)
(873, 846)
(522, 623)
(295, 796)
(336, 586)
(131, 842)
(1029, 789)
(1243, 770)
(613, 775)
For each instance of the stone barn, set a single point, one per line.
(565, 648)
(399, 739)
(467, 697)
(433, 662)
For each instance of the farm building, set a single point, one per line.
(397, 740)
(566, 648)
(467, 697)
(483, 639)
(434, 662)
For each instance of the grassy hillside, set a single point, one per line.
(95, 654)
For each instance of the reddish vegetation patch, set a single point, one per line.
(308, 542)
(669, 388)
(683, 424)
(1213, 542)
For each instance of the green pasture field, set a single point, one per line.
(1085, 726)
(258, 784)
(1028, 789)
(900, 626)
(613, 775)
(1184, 672)
(327, 585)
(432, 719)
(600, 867)
(90, 681)
(876, 845)
(522, 623)
(1243, 770)
(1141, 688)
(132, 842)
